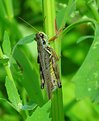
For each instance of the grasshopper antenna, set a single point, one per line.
(28, 24)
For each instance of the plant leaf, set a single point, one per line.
(87, 77)
(6, 44)
(13, 94)
(80, 21)
(26, 39)
(41, 114)
(84, 38)
(67, 11)
(6, 101)
(30, 77)
(2, 10)
(9, 8)
(5, 105)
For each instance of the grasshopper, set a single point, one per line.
(47, 58)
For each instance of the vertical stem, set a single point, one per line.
(49, 26)
(9, 8)
(7, 69)
(49, 15)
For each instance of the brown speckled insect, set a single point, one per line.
(47, 59)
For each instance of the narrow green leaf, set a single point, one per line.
(26, 39)
(87, 77)
(16, 70)
(64, 15)
(9, 8)
(80, 21)
(6, 101)
(6, 44)
(84, 38)
(2, 9)
(59, 17)
(30, 77)
(8, 106)
(92, 5)
(13, 94)
(41, 114)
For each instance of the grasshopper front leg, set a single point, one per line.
(42, 78)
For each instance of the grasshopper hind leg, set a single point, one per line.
(54, 58)
(56, 71)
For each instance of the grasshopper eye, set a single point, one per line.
(41, 35)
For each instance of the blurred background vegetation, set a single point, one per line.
(72, 54)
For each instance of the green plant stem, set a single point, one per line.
(9, 8)
(49, 26)
(49, 15)
(25, 101)
(6, 66)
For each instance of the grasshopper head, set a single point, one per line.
(41, 36)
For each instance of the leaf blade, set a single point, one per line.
(31, 79)
(84, 38)
(67, 11)
(6, 44)
(87, 77)
(13, 94)
(26, 39)
(41, 114)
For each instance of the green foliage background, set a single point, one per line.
(20, 92)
